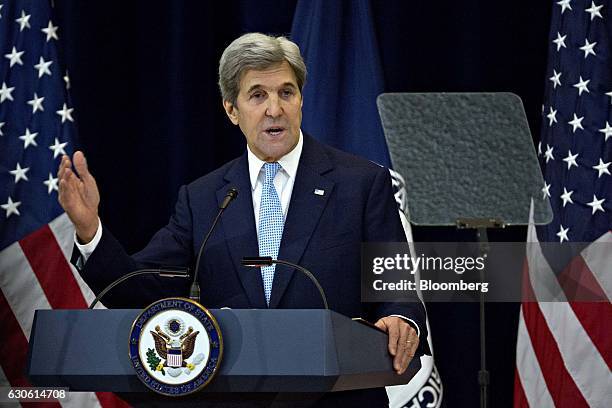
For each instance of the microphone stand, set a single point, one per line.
(194, 291)
(166, 273)
(259, 261)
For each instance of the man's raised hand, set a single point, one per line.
(79, 196)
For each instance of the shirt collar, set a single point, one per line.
(288, 162)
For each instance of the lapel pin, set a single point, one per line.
(319, 192)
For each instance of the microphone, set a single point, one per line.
(194, 291)
(165, 273)
(259, 261)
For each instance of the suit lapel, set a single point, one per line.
(239, 227)
(305, 209)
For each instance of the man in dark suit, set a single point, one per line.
(298, 200)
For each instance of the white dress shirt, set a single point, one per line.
(283, 181)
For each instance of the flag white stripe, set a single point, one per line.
(580, 356)
(543, 279)
(597, 257)
(21, 287)
(529, 371)
(63, 230)
(582, 360)
(81, 399)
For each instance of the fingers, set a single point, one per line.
(403, 341)
(407, 348)
(80, 164)
(64, 164)
(68, 188)
(69, 184)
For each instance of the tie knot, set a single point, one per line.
(271, 170)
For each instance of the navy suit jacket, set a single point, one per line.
(322, 233)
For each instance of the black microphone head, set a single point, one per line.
(257, 261)
(232, 192)
(229, 196)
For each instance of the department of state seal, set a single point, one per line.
(175, 346)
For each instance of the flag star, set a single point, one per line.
(582, 86)
(67, 80)
(594, 10)
(1, 5)
(567, 196)
(546, 190)
(548, 154)
(24, 20)
(51, 31)
(571, 159)
(539, 148)
(565, 4)
(607, 131)
(602, 168)
(6, 92)
(65, 113)
(596, 204)
(11, 207)
(29, 138)
(576, 123)
(1, 126)
(36, 103)
(58, 148)
(51, 184)
(610, 95)
(562, 234)
(19, 173)
(555, 79)
(43, 67)
(14, 57)
(552, 116)
(560, 41)
(588, 48)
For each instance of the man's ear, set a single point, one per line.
(231, 111)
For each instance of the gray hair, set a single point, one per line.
(256, 51)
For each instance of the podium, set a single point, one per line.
(278, 350)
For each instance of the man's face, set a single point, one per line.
(268, 110)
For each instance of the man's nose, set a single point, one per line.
(274, 108)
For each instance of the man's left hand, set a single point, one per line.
(403, 341)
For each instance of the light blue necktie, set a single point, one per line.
(270, 225)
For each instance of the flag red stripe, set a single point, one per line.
(52, 270)
(578, 277)
(591, 316)
(520, 400)
(559, 382)
(14, 349)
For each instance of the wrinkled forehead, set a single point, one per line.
(274, 76)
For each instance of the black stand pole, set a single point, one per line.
(481, 225)
(483, 374)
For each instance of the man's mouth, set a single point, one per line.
(274, 130)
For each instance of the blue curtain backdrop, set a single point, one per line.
(343, 81)
(143, 79)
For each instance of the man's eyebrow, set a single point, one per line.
(258, 86)
(254, 87)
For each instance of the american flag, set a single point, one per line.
(564, 349)
(37, 126)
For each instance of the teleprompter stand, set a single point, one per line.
(468, 160)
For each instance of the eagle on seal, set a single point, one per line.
(183, 347)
